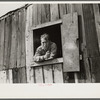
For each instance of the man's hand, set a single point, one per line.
(47, 55)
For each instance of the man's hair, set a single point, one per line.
(45, 36)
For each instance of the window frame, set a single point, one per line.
(51, 61)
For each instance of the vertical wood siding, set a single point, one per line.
(12, 46)
(16, 40)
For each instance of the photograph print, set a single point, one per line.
(50, 43)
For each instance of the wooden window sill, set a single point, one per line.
(48, 62)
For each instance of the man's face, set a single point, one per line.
(44, 43)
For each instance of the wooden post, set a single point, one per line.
(29, 42)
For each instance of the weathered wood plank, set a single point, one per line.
(19, 37)
(3, 77)
(87, 70)
(62, 9)
(7, 44)
(48, 75)
(9, 76)
(13, 56)
(58, 74)
(6, 35)
(34, 15)
(8, 30)
(95, 69)
(39, 14)
(15, 75)
(38, 75)
(97, 21)
(2, 44)
(23, 60)
(66, 77)
(90, 30)
(95, 61)
(69, 30)
(29, 41)
(45, 10)
(70, 8)
(23, 78)
(19, 75)
(84, 75)
(76, 77)
(91, 37)
(54, 12)
(32, 75)
(22, 75)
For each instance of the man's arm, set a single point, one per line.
(53, 51)
(38, 56)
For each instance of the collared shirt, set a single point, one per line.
(40, 52)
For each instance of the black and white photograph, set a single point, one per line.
(50, 43)
(49, 49)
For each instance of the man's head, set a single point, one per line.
(45, 41)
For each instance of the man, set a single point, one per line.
(47, 49)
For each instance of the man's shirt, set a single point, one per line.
(40, 52)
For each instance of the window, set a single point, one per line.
(54, 31)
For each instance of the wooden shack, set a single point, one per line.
(74, 27)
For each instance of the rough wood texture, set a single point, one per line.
(48, 62)
(84, 75)
(38, 75)
(23, 54)
(39, 14)
(90, 30)
(9, 76)
(69, 8)
(2, 45)
(13, 57)
(29, 42)
(62, 9)
(66, 77)
(45, 9)
(97, 21)
(81, 75)
(22, 75)
(69, 31)
(54, 12)
(34, 15)
(3, 77)
(91, 39)
(58, 73)
(19, 36)
(32, 75)
(8, 30)
(19, 75)
(6, 38)
(95, 69)
(15, 75)
(48, 75)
